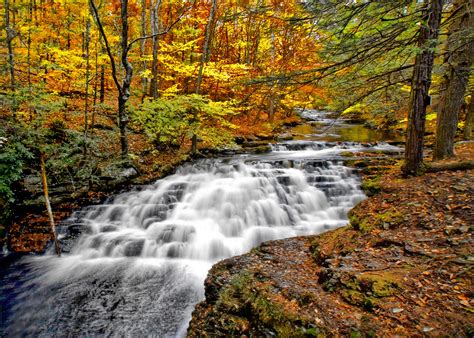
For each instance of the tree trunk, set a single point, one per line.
(86, 105)
(10, 36)
(143, 47)
(124, 88)
(28, 44)
(102, 84)
(96, 76)
(421, 81)
(272, 99)
(44, 180)
(469, 118)
(154, 23)
(122, 114)
(124, 94)
(458, 61)
(204, 59)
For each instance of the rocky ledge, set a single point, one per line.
(403, 266)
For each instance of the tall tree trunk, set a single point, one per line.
(469, 118)
(10, 36)
(458, 62)
(86, 105)
(155, 26)
(96, 77)
(421, 82)
(44, 180)
(272, 99)
(102, 84)
(124, 88)
(124, 94)
(28, 45)
(204, 59)
(143, 47)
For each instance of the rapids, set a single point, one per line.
(138, 266)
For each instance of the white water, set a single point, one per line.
(219, 210)
(139, 265)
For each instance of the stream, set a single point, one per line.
(136, 264)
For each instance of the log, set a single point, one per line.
(44, 180)
(450, 166)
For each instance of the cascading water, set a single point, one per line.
(139, 265)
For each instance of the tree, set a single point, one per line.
(86, 105)
(10, 36)
(458, 61)
(125, 46)
(204, 59)
(421, 81)
(469, 116)
(155, 27)
(124, 88)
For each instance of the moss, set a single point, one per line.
(306, 298)
(390, 218)
(316, 253)
(249, 300)
(380, 284)
(366, 289)
(353, 297)
(372, 186)
(361, 224)
(312, 332)
(234, 324)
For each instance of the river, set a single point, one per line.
(138, 265)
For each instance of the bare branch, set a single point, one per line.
(95, 14)
(162, 32)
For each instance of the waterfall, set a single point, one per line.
(139, 264)
(212, 210)
(135, 265)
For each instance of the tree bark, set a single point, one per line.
(154, 24)
(421, 82)
(102, 84)
(96, 76)
(143, 47)
(44, 180)
(124, 88)
(86, 105)
(469, 118)
(124, 94)
(10, 36)
(204, 59)
(458, 62)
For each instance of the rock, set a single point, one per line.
(285, 137)
(263, 136)
(32, 184)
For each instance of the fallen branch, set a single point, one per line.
(436, 167)
(44, 180)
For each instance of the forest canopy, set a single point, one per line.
(93, 83)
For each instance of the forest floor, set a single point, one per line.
(403, 266)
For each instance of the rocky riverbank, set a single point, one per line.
(403, 266)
